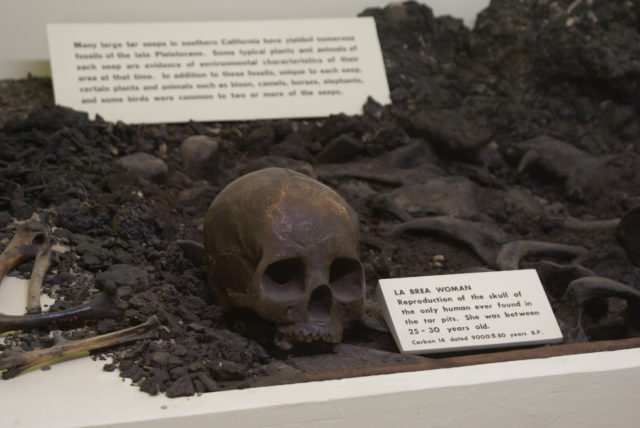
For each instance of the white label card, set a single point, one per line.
(210, 71)
(431, 314)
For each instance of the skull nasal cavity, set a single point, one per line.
(320, 304)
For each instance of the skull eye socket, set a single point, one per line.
(345, 277)
(284, 277)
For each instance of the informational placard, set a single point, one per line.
(446, 313)
(206, 71)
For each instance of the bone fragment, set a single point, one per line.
(364, 171)
(15, 363)
(475, 269)
(628, 233)
(556, 276)
(40, 268)
(192, 250)
(558, 214)
(105, 305)
(484, 239)
(378, 172)
(573, 5)
(385, 203)
(529, 158)
(511, 254)
(592, 287)
(26, 243)
(595, 287)
(574, 223)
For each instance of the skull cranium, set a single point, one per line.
(286, 246)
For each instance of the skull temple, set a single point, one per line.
(286, 247)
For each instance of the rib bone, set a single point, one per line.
(29, 239)
(105, 305)
(16, 363)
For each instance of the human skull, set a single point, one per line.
(286, 247)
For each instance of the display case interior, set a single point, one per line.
(515, 144)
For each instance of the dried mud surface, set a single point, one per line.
(529, 122)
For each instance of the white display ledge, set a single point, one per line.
(587, 390)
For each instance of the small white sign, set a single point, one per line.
(431, 314)
(205, 71)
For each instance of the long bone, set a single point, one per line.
(511, 254)
(40, 268)
(557, 213)
(488, 242)
(105, 305)
(29, 240)
(16, 363)
(484, 239)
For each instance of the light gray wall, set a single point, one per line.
(23, 43)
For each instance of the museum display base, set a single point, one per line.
(561, 391)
